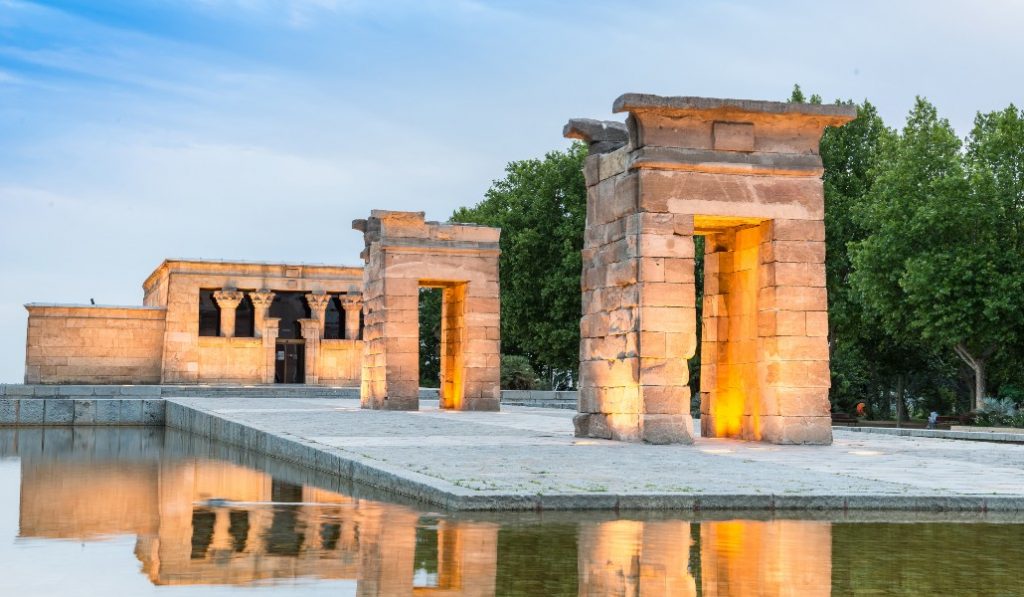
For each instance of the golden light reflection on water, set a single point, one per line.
(201, 522)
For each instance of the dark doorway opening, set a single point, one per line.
(290, 361)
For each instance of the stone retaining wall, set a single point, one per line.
(45, 404)
(977, 434)
(93, 344)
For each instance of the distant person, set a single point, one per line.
(933, 418)
(860, 409)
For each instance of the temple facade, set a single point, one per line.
(209, 322)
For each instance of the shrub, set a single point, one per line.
(997, 412)
(517, 374)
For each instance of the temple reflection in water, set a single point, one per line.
(200, 520)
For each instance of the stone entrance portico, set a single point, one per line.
(747, 176)
(403, 254)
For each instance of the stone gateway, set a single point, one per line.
(746, 175)
(403, 254)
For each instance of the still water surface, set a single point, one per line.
(148, 511)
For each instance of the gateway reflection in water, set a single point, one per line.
(203, 520)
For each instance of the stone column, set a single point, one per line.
(311, 332)
(261, 301)
(353, 305)
(318, 307)
(228, 301)
(271, 329)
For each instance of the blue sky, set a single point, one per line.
(131, 131)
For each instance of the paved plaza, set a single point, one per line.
(526, 458)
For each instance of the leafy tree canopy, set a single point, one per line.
(541, 207)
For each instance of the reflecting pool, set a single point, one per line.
(137, 511)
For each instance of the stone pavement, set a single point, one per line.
(527, 458)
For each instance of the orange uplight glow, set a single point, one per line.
(453, 332)
(736, 394)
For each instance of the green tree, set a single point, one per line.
(933, 266)
(995, 161)
(541, 207)
(430, 337)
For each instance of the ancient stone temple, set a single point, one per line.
(403, 254)
(208, 322)
(745, 175)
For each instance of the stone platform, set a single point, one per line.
(527, 459)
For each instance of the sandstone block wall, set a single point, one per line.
(639, 318)
(340, 362)
(403, 254)
(93, 344)
(231, 360)
(746, 176)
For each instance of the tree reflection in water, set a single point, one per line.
(200, 520)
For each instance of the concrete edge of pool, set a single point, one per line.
(440, 493)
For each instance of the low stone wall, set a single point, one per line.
(93, 344)
(88, 404)
(959, 432)
(566, 400)
(81, 411)
(58, 405)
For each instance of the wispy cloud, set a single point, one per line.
(8, 78)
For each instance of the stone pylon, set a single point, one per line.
(746, 175)
(403, 254)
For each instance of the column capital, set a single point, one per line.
(262, 298)
(317, 301)
(228, 299)
(351, 301)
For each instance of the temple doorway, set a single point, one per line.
(290, 361)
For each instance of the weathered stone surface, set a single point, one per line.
(733, 136)
(32, 412)
(153, 412)
(85, 412)
(8, 411)
(746, 175)
(58, 411)
(797, 429)
(601, 136)
(404, 253)
(130, 412)
(834, 114)
(667, 429)
(108, 411)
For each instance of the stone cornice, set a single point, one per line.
(250, 269)
(449, 247)
(734, 109)
(725, 162)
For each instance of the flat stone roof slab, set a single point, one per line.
(527, 458)
(632, 102)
